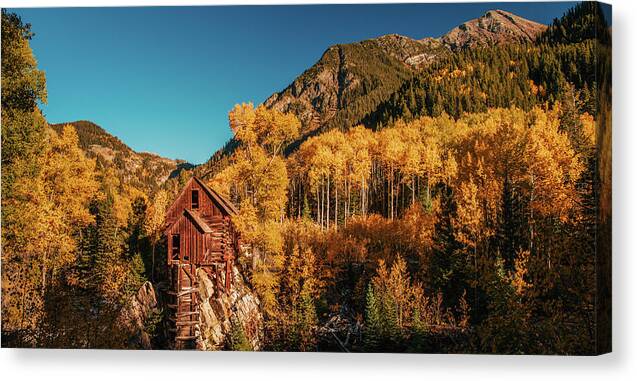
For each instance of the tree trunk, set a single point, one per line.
(336, 206)
(322, 201)
(327, 220)
(299, 202)
(428, 195)
(365, 206)
(392, 194)
(362, 198)
(349, 202)
(318, 203)
(531, 217)
(413, 190)
(390, 198)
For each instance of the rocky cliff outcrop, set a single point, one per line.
(135, 317)
(218, 312)
(415, 53)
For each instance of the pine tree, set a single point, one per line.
(446, 266)
(137, 274)
(308, 322)
(570, 118)
(237, 340)
(418, 333)
(391, 332)
(373, 324)
(137, 240)
(154, 226)
(508, 224)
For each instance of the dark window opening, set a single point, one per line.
(175, 247)
(194, 199)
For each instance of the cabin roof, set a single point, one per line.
(223, 203)
(197, 220)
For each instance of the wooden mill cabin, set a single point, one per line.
(200, 235)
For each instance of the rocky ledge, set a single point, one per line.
(218, 312)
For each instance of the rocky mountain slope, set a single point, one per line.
(143, 170)
(493, 28)
(350, 81)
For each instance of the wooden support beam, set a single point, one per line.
(187, 323)
(185, 337)
(183, 292)
(183, 314)
(228, 275)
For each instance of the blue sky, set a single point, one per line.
(163, 79)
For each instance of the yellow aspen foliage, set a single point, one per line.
(45, 213)
(517, 277)
(469, 215)
(269, 129)
(242, 119)
(69, 176)
(155, 221)
(69, 183)
(258, 180)
(552, 167)
(114, 189)
(258, 172)
(588, 128)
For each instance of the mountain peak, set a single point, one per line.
(350, 80)
(493, 28)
